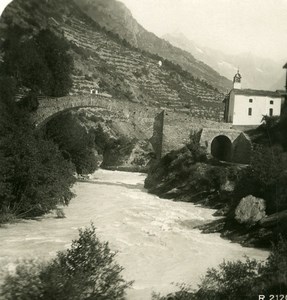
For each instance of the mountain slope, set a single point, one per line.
(258, 73)
(102, 58)
(114, 16)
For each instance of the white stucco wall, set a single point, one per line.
(237, 85)
(239, 105)
(231, 108)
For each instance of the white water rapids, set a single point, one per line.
(155, 238)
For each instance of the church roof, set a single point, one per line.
(250, 92)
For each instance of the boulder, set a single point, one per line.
(250, 210)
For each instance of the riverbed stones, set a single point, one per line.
(250, 210)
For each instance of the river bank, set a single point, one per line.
(250, 202)
(156, 239)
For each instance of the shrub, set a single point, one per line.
(198, 152)
(85, 271)
(265, 178)
(116, 150)
(29, 102)
(60, 214)
(34, 177)
(74, 140)
(41, 63)
(241, 280)
(184, 293)
(232, 280)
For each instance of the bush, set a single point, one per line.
(241, 280)
(232, 280)
(184, 293)
(265, 178)
(34, 177)
(116, 150)
(75, 142)
(198, 152)
(181, 163)
(85, 271)
(41, 63)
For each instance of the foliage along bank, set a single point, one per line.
(34, 176)
(87, 271)
(240, 280)
(188, 175)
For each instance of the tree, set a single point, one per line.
(241, 279)
(265, 178)
(34, 177)
(86, 271)
(41, 62)
(60, 63)
(76, 144)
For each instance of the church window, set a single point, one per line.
(250, 100)
(271, 112)
(271, 102)
(249, 111)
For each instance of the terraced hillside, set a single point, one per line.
(116, 17)
(103, 59)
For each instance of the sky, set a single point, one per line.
(232, 26)
(3, 4)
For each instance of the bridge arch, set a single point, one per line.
(227, 144)
(50, 107)
(221, 148)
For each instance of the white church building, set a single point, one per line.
(246, 107)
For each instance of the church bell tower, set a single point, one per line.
(237, 81)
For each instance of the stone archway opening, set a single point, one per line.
(221, 148)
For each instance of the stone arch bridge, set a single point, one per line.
(167, 130)
(50, 107)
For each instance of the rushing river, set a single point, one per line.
(155, 238)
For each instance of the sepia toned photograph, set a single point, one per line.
(143, 150)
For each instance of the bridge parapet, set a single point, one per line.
(50, 107)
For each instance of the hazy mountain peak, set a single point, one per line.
(257, 72)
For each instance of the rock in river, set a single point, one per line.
(250, 210)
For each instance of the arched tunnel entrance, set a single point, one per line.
(221, 148)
